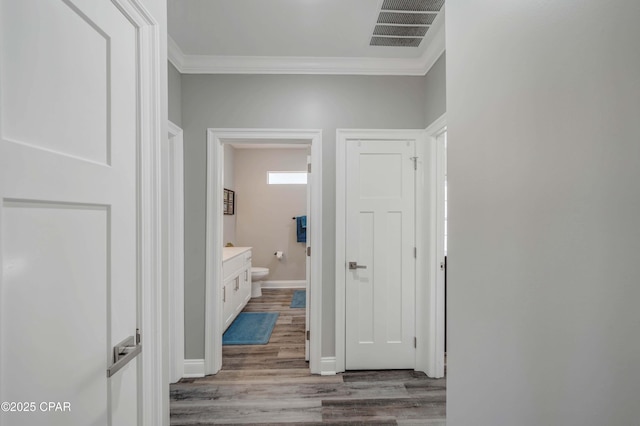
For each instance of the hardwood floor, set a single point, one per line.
(270, 384)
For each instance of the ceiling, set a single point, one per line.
(291, 36)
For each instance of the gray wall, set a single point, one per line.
(265, 211)
(544, 206)
(175, 95)
(435, 91)
(287, 101)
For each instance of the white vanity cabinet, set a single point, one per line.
(236, 282)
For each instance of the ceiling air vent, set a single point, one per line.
(404, 23)
(406, 18)
(413, 5)
(393, 30)
(395, 41)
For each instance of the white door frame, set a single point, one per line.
(425, 226)
(216, 138)
(175, 243)
(154, 398)
(436, 307)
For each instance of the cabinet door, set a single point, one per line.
(229, 301)
(245, 286)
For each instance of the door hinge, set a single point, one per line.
(308, 334)
(442, 266)
(309, 251)
(138, 338)
(415, 252)
(415, 163)
(415, 342)
(308, 167)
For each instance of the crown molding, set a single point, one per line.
(436, 40)
(299, 65)
(212, 64)
(175, 55)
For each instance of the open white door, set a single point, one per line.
(68, 214)
(380, 262)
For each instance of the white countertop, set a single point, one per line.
(231, 252)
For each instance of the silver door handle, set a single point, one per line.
(124, 352)
(354, 265)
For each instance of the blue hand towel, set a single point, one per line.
(301, 229)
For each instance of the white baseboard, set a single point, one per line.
(193, 368)
(285, 284)
(328, 366)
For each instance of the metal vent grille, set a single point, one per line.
(413, 5)
(392, 30)
(395, 41)
(406, 18)
(404, 23)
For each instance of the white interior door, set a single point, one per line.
(68, 218)
(380, 262)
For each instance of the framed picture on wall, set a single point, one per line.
(229, 202)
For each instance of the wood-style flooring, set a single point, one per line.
(271, 385)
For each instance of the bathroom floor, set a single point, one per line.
(271, 384)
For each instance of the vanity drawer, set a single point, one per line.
(232, 266)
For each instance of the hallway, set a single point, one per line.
(271, 384)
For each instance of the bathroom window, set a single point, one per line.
(287, 178)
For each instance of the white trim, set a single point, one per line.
(425, 244)
(328, 366)
(342, 135)
(215, 64)
(175, 243)
(285, 284)
(437, 126)
(436, 43)
(202, 64)
(193, 368)
(216, 138)
(434, 316)
(153, 397)
(175, 54)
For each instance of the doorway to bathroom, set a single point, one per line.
(256, 199)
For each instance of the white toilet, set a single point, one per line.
(257, 275)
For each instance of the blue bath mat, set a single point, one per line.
(299, 299)
(250, 328)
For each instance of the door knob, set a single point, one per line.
(354, 265)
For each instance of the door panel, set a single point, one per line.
(62, 354)
(68, 215)
(380, 223)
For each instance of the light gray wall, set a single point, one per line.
(286, 101)
(229, 221)
(543, 104)
(265, 211)
(435, 91)
(175, 95)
